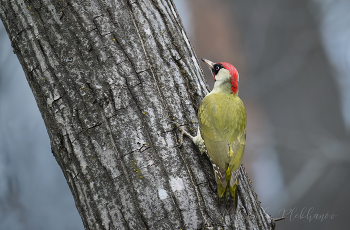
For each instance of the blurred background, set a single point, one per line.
(293, 57)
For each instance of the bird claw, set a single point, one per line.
(178, 145)
(173, 122)
(197, 140)
(181, 133)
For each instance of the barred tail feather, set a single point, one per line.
(220, 180)
(221, 188)
(227, 181)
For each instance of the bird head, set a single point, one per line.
(224, 72)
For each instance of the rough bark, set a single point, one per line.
(108, 76)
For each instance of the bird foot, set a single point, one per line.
(182, 132)
(197, 140)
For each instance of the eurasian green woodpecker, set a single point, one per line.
(222, 123)
(222, 119)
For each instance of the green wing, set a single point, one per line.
(222, 119)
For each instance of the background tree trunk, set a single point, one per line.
(108, 76)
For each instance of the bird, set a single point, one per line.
(222, 129)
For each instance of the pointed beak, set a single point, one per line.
(210, 64)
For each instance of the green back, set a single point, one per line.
(222, 118)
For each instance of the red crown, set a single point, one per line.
(234, 75)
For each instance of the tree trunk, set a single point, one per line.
(108, 77)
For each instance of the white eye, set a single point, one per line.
(217, 68)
